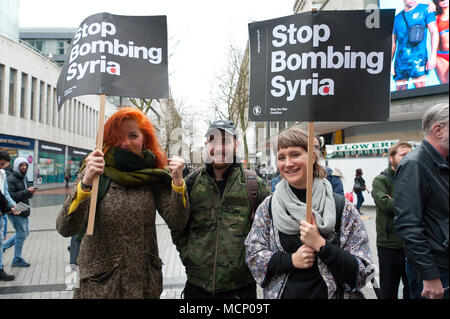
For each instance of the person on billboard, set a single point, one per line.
(409, 45)
(121, 259)
(442, 61)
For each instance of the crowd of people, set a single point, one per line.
(233, 232)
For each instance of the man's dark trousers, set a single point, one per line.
(392, 269)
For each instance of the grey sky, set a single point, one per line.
(202, 29)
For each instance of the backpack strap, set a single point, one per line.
(190, 180)
(251, 184)
(339, 203)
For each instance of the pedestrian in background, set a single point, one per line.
(4, 209)
(222, 201)
(335, 181)
(67, 177)
(358, 187)
(5, 171)
(421, 207)
(391, 255)
(20, 191)
(293, 259)
(7, 204)
(274, 181)
(121, 259)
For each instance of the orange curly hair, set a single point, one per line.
(112, 136)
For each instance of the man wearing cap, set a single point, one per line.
(212, 244)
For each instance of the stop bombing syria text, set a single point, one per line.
(110, 46)
(290, 35)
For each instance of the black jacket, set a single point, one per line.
(3, 204)
(18, 191)
(422, 210)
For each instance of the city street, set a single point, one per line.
(50, 276)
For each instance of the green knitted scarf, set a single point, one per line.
(130, 170)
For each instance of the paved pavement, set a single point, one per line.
(47, 252)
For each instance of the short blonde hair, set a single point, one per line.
(295, 137)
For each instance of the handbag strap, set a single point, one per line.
(404, 18)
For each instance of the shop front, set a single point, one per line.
(50, 166)
(371, 157)
(74, 161)
(19, 147)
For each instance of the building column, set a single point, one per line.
(27, 97)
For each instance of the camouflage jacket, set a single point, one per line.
(212, 244)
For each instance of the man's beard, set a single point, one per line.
(220, 165)
(395, 165)
(224, 162)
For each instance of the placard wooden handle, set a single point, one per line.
(309, 172)
(93, 205)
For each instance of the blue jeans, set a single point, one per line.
(74, 249)
(20, 225)
(360, 197)
(416, 283)
(1, 242)
(5, 225)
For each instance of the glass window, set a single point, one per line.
(50, 167)
(41, 102)
(37, 44)
(74, 164)
(61, 47)
(23, 94)
(12, 86)
(48, 106)
(32, 101)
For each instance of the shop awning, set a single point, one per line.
(377, 148)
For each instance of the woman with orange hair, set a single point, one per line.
(121, 259)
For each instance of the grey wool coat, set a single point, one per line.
(121, 259)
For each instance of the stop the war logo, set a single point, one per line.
(117, 55)
(326, 66)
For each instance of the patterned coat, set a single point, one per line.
(121, 259)
(263, 241)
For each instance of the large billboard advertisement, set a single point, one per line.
(420, 56)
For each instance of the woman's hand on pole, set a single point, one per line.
(95, 163)
(310, 236)
(303, 258)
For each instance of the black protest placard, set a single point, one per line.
(117, 55)
(325, 66)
